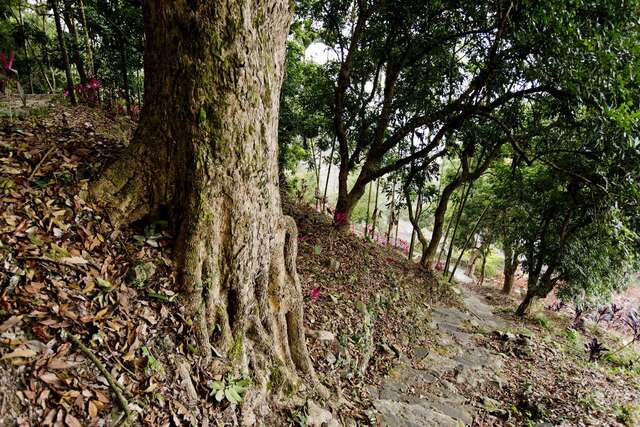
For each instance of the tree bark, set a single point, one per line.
(470, 270)
(482, 269)
(63, 50)
(510, 267)
(366, 223)
(455, 228)
(206, 151)
(374, 221)
(466, 243)
(86, 38)
(75, 40)
(417, 220)
(347, 201)
(125, 73)
(326, 182)
(429, 252)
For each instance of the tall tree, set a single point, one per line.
(430, 67)
(69, 20)
(87, 39)
(63, 49)
(206, 151)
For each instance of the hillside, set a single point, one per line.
(393, 344)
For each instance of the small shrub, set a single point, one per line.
(628, 414)
(595, 349)
(544, 321)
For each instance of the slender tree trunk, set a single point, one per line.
(316, 172)
(25, 49)
(482, 269)
(472, 263)
(446, 234)
(537, 287)
(455, 228)
(366, 224)
(392, 212)
(413, 231)
(87, 39)
(326, 182)
(75, 40)
(375, 212)
(466, 243)
(206, 151)
(510, 267)
(396, 223)
(63, 50)
(347, 201)
(438, 222)
(125, 73)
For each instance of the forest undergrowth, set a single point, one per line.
(68, 277)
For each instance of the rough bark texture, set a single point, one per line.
(430, 250)
(205, 151)
(537, 287)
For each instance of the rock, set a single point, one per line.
(334, 264)
(330, 358)
(421, 353)
(321, 335)
(318, 416)
(403, 414)
(490, 404)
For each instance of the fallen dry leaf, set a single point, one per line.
(19, 352)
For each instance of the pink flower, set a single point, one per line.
(7, 63)
(93, 83)
(340, 218)
(315, 293)
(66, 92)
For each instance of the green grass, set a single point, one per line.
(542, 320)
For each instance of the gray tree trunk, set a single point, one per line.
(206, 150)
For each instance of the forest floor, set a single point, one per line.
(394, 343)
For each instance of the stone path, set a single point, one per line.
(424, 391)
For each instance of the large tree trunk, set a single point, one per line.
(347, 201)
(537, 288)
(205, 150)
(63, 50)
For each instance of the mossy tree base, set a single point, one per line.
(205, 152)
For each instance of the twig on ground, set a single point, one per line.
(49, 151)
(103, 370)
(77, 267)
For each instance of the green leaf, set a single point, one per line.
(105, 284)
(216, 385)
(232, 395)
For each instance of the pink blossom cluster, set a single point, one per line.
(381, 239)
(87, 91)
